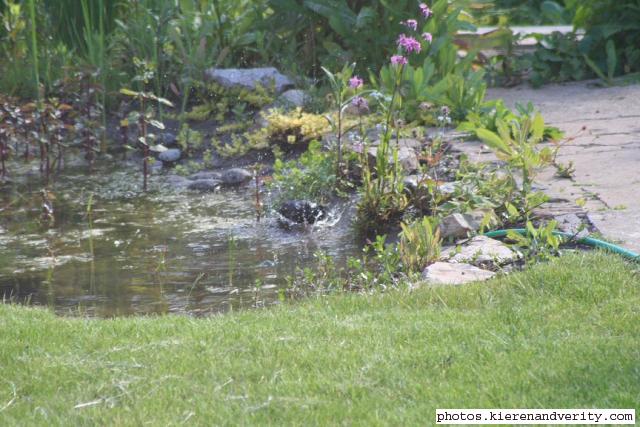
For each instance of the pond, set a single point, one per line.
(113, 250)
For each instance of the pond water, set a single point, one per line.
(164, 251)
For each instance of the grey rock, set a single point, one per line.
(235, 176)
(249, 78)
(172, 155)
(411, 143)
(444, 273)
(406, 156)
(205, 175)
(481, 250)
(293, 98)
(415, 182)
(204, 185)
(458, 225)
(412, 182)
(571, 223)
(447, 189)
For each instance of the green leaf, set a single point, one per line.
(537, 128)
(129, 92)
(595, 68)
(511, 210)
(552, 10)
(365, 18)
(493, 141)
(156, 124)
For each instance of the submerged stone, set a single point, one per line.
(302, 211)
(204, 185)
(205, 175)
(177, 181)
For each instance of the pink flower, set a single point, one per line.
(411, 23)
(355, 82)
(426, 12)
(360, 103)
(409, 44)
(398, 60)
(427, 37)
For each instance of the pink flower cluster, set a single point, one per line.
(426, 12)
(411, 23)
(360, 103)
(355, 82)
(408, 44)
(398, 60)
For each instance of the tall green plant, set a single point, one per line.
(34, 47)
(516, 142)
(95, 45)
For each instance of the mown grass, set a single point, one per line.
(561, 335)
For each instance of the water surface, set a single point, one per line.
(165, 251)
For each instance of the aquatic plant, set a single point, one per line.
(146, 114)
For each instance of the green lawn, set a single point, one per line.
(562, 335)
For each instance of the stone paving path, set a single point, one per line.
(606, 156)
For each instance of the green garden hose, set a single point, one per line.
(586, 240)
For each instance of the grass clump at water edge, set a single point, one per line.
(559, 335)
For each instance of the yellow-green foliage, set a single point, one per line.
(283, 128)
(232, 127)
(237, 147)
(217, 101)
(200, 113)
(289, 128)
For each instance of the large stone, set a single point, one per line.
(458, 225)
(204, 185)
(302, 211)
(235, 176)
(293, 98)
(444, 273)
(171, 155)
(481, 250)
(407, 158)
(249, 77)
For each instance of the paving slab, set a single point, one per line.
(605, 150)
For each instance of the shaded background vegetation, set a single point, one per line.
(180, 38)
